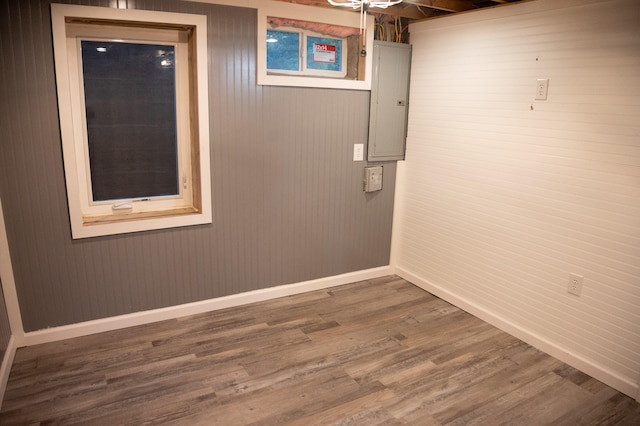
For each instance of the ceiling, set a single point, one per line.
(418, 10)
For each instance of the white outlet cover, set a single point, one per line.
(542, 89)
(575, 284)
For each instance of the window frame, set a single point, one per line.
(303, 55)
(324, 16)
(193, 205)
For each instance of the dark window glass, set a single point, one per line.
(130, 99)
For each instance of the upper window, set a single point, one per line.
(132, 93)
(301, 52)
(328, 51)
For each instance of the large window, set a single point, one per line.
(132, 93)
(130, 104)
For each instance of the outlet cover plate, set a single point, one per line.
(542, 89)
(575, 284)
(372, 178)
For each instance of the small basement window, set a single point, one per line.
(302, 52)
(328, 51)
(132, 94)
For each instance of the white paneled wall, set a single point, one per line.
(501, 196)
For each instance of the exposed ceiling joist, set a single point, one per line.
(401, 11)
(446, 5)
(416, 10)
(411, 13)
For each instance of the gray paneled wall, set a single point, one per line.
(287, 199)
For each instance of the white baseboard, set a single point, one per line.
(621, 384)
(5, 368)
(145, 317)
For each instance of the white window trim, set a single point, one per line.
(74, 146)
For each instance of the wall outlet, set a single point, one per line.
(575, 284)
(542, 88)
(372, 178)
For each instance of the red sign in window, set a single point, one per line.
(324, 53)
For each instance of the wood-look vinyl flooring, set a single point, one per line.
(373, 352)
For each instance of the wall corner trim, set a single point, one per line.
(8, 281)
(145, 317)
(5, 368)
(590, 367)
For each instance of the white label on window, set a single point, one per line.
(324, 53)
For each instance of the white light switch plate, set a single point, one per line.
(358, 152)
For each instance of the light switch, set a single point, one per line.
(372, 178)
(358, 152)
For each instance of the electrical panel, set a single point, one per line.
(389, 101)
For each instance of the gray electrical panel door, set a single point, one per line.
(389, 101)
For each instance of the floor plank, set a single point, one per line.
(373, 352)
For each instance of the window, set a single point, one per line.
(133, 101)
(301, 52)
(324, 52)
(283, 51)
(326, 55)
